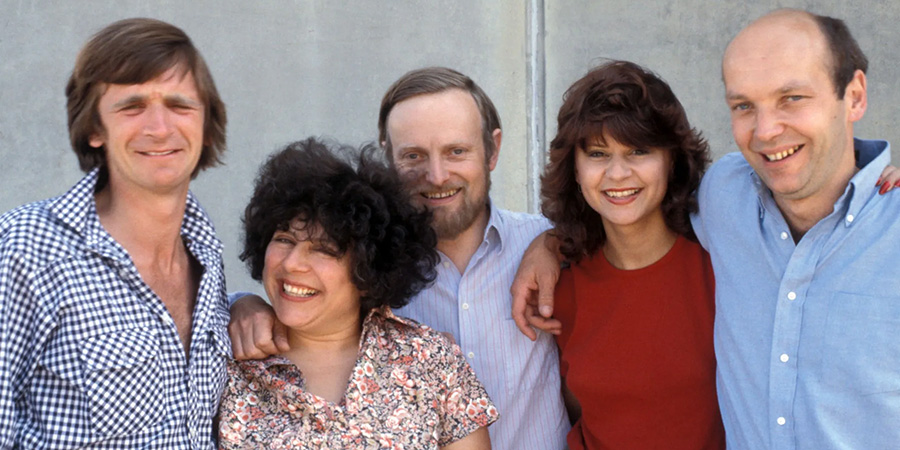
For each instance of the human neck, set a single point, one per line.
(148, 226)
(804, 213)
(638, 245)
(340, 338)
(461, 248)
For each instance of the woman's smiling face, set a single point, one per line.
(624, 184)
(308, 282)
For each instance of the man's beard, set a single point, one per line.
(450, 223)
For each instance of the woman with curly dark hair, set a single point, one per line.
(637, 301)
(335, 249)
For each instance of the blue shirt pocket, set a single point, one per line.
(123, 381)
(860, 349)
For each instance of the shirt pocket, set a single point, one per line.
(528, 363)
(123, 381)
(860, 349)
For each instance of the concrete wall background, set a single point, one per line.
(290, 69)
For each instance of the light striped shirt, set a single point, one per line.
(521, 376)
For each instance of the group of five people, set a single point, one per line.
(746, 309)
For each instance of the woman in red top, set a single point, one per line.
(637, 302)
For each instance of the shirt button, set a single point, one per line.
(465, 306)
(785, 357)
(849, 217)
(781, 421)
(784, 235)
(792, 295)
(471, 355)
(167, 320)
(446, 264)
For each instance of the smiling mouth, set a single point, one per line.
(440, 195)
(298, 291)
(158, 153)
(783, 154)
(621, 193)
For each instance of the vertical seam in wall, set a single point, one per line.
(536, 87)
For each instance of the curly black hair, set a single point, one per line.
(365, 212)
(636, 107)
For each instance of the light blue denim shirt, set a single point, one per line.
(807, 335)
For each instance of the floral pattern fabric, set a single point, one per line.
(410, 389)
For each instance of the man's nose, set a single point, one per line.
(437, 173)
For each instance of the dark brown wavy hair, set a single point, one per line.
(623, 101)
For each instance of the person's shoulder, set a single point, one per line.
(731, 168)
(406, 332)
(520, 226)
(32, 227)
(24, 217)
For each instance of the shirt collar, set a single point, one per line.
(495, 223)
(373, 323)
(871, 158)
(74, 208)
(77, 209)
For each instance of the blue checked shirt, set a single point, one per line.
(520, 376)
(89, 355)
(806, 333)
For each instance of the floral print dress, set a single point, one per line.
(410, 389)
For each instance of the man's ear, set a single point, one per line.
(856, 97)
(96, 140)
(497, 137)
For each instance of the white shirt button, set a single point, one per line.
(781, 421)
(465, 306)
(167, 320)
(792, 295)
(784, 235)
(446, 264)
(784, 357)
(471, 355)
(849, 217)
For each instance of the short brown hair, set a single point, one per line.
(433, 80)
(623, 101)
(134, 51)
(846, 56)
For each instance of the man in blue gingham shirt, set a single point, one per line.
(112, 296)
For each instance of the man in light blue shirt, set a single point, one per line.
(806, 316)
(442, 133)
